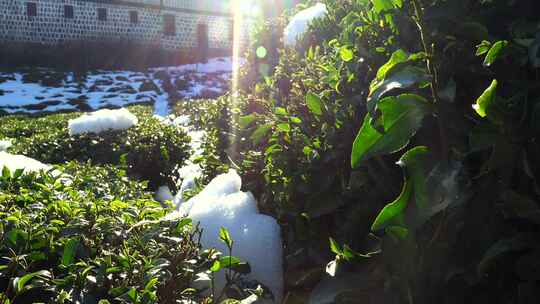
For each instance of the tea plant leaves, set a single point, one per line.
(405, 78)
(397, 57)
(314, 103)
(20, 283)
(393, 212)
(400, 118)
(486, 99)
(413, 162)
(495, 52)
(69, 252)
(346, 53)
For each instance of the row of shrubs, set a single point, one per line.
(88, 234)
(375, 83)
(149, 151)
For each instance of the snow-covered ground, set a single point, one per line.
(39, 89)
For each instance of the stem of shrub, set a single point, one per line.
(434, 73)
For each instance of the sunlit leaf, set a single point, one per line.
(346, 54)
(495, 52)
(400, 118)
(314, 103)
(486, 99)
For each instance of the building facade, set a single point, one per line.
(168, 24)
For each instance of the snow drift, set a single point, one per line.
(257, 238)
(102, 120)
(4, 145)
(15, 161)
(299, 23)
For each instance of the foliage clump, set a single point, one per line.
(150, 150)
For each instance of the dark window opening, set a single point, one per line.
(169, 25)
(134, 17)
(202, 41)
(68, 11)
(102, 14)
(31, 9)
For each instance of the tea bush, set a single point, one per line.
(150, 151)
(445, 89)
(91, 235)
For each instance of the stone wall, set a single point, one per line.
(51, 26)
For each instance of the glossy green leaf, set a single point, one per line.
(229, 261)
(486, 99)
(314, 103)
(21, 282)
(246, 121)
(405, 78)
(225, 237)
(6, 174)
(284, 127)
(69, 252)
(414, 164)
(390, 214)
(346, 54)
(397, 57)
(495, 52)
(334, 246)
(483, 48)
(400, 119)
(216, 266)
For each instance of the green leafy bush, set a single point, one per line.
(386, 81)
(150, 151)
(92, 235)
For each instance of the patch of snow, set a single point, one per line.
(16, 161)
(102, 120)
(105, 89)
(214, 65)
(257, 237)
(5, 144)
(299, 23)
(163, 194)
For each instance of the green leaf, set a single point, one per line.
(334, 246)
(397, 57)
(284, 127)
(413, 162)
(405, 78)
(229, 261)
(486, 99)
(260, 133)
(314, 103)
(69, 252)
(6, 174)
(21, 282)
(483, 48)
(346, 53)
(281, 111)
(246, 120)
(225, 237)
(392, 213)
(495, 52)
(216, 266)
(400, 119)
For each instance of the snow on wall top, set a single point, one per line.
(299, 23)
(102, 120)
